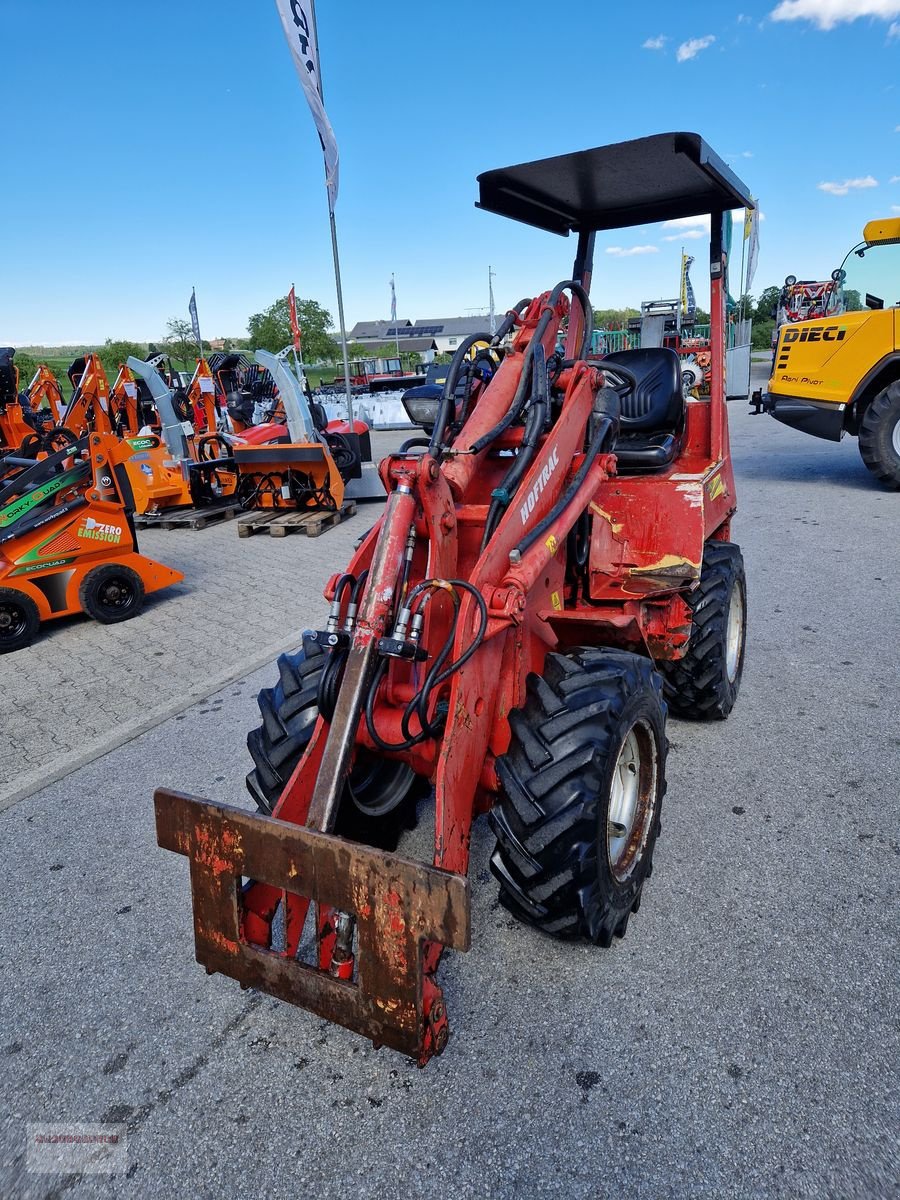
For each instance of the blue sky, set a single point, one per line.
(162, 146)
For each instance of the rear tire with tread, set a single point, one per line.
(879, 436)
(554, 857)
(699, 686)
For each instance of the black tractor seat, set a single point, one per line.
(653, 412)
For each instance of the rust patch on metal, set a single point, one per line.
(399, 905)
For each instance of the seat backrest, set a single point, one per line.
(657, 403)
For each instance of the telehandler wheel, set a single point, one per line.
(703, 684)
(19, 620)
(111, 593)
(582, 784)
(289, 713)
(879, 436)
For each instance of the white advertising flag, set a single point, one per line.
(753, 246)
(299, 29)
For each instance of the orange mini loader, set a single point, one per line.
(67, 541)
(553, 571)
(16, 421)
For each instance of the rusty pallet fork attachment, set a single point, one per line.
(398, 905)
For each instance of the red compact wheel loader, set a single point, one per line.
(552, 571)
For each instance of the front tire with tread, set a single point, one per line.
(289, 714)
(554, 857)
(879, 436)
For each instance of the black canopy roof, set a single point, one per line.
(649, 179)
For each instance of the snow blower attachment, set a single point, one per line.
(179, 467)
(67, 541)
(298, 471)
(508, 635)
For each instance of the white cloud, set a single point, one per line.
(826, 14)
(894, 29)
(897, 129)
(841, 189)
(692, 47)
(743, 19)
(687, 222)
(627, 251)
(686, 235)
(655, 43)
(895, 179)
(895, 208)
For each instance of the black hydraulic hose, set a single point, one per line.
(509, 321)
(376, 737)
(582, 295)
(415, 703)
(411, 442)
(607, 428)
(430, 730)
(537, 338)
(538, 411)
(448, 396)
(358, 586)
(329, 680)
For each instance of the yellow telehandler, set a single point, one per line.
(841, 374)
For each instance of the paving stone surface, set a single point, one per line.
(80, 681)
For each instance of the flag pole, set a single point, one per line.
(334, 241)
(394, 315)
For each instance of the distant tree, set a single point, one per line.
(26, 366)
(113, 354)
(271, 330)
(761, 337)
(180, 341)
(744, 310)
(766, 304)
(852, 300)
(613, 318)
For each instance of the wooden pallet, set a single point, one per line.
(187, 518)
(278, 523)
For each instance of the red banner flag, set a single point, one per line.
(292, 312)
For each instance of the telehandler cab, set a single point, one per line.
(840, 373)
(553, 569)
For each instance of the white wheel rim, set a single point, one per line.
(734, 637)
(895, 439)
(632, 798)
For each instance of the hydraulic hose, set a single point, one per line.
(509, 321)
(538, 411)
(537, 338)
(448, 396)
(606, 431)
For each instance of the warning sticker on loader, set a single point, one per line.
(716, 487)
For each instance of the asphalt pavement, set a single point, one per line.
(742, 1041)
